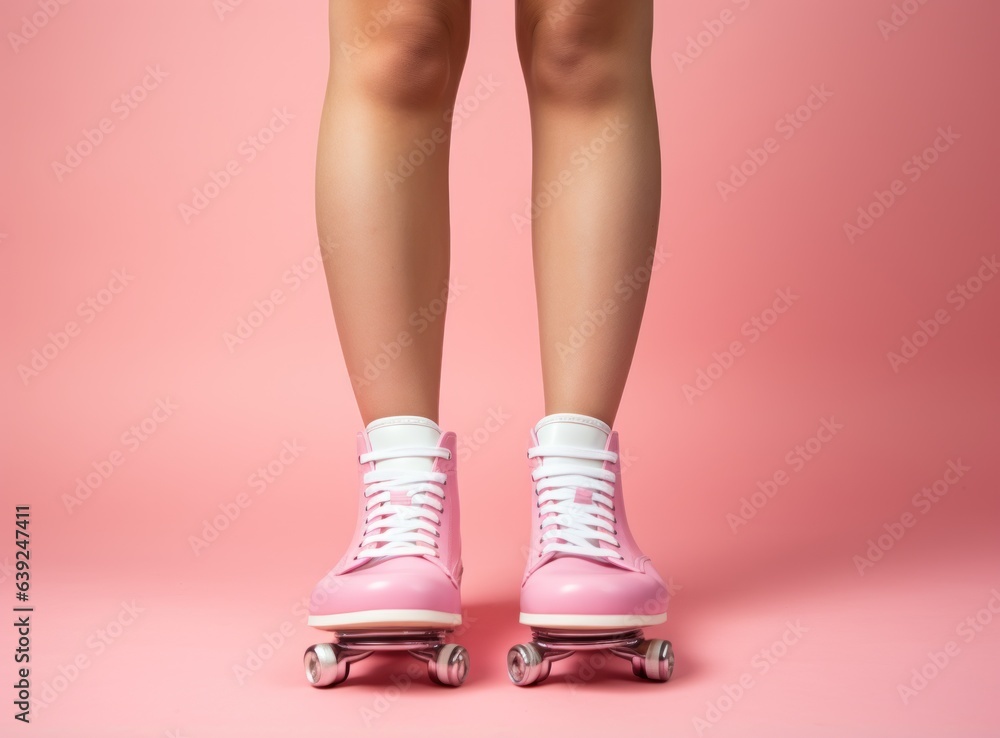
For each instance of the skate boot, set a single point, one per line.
(396, 588)
(586, 585)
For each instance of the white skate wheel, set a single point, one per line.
(526, 665)
(324, 665)
(655, 660)
(449, 666)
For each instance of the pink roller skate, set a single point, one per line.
(586, 586)
(397, 585)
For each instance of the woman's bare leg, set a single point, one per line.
(382, 192)
(596, 178)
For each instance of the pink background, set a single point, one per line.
(170, 669)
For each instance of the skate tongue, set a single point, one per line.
(578, 431)
(404, 431)
(400, 497)
(396, 497)
(583, 497)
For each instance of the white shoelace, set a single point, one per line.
(578, 526)
(405, 529)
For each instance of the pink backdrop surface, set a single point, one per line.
(860, 596)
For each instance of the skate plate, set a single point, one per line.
(530, 663)
(328, 664)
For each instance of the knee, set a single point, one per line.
(409, 63)
(575, 59)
